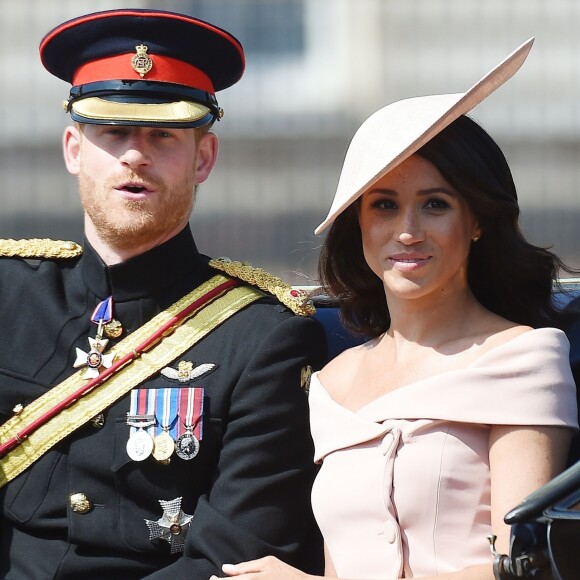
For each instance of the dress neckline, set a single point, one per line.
(477, 362)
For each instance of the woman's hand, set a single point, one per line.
(268, 568)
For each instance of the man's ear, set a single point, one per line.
(71, 148)
(207, 153)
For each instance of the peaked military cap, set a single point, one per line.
(143, 67)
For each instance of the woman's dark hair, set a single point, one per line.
(507, 274)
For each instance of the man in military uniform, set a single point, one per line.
(154, 423)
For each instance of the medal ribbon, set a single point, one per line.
(103, 313)
(191, 411)
(142, 405)
(166, 402)
(134, 409)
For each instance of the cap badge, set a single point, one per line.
(142, 63)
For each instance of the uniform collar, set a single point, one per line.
(146, 274)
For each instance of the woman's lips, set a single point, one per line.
(407, 262)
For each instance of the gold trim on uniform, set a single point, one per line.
(296, 300)
(172, 346)
(39, 248)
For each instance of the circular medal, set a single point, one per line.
(113, 329)
(139, 445)
(163, 446)
(187, 446)
(94, 359)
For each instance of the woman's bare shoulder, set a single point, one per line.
(339, 373)
(501, 331)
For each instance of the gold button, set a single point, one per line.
(80, 503)
(98, 422)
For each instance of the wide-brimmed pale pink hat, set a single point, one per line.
(396, 131)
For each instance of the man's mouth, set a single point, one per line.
(134, 188)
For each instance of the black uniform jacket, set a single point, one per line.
(249, 486)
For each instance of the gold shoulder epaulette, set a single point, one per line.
(296, 300)
(39, 248)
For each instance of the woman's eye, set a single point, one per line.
(384, 204)
(436, 204)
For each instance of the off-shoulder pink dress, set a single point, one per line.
(404, 487)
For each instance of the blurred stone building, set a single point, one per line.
(315, 70)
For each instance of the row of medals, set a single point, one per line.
(141, 444)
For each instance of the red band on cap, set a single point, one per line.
(141, 14)
(165, 69)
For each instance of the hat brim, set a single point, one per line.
(396, 131)
(98, 111)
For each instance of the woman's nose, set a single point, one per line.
(410, 229)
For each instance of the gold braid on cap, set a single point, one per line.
(296, 300)
(39, 248)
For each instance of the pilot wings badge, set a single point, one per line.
(185, 371)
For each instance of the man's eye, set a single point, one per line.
(113, 131)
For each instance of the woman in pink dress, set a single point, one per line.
(462, 402)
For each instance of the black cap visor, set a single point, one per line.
(142, 103)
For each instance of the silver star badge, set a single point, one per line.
(173, 525)
(94, 360)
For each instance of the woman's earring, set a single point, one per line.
(475, 238)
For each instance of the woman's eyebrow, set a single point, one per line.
(428, 191)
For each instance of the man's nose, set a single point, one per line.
(136, 152)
